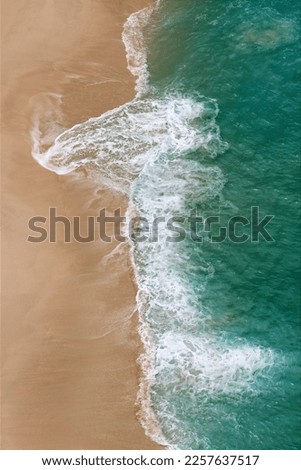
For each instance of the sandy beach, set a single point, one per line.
(69, 336)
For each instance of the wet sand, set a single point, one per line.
(69, 339)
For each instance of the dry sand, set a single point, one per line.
(69, 339)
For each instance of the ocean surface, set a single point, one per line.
(213, 131)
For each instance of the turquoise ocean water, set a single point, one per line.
(235, 383)
(214, 127)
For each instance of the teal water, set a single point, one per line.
(227, 356)
(213, 128)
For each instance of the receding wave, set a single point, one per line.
(120, 142)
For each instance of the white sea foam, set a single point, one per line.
(134, 41)
(207, 365)
(136, 53)
(120, 142)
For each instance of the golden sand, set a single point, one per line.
(69, 338)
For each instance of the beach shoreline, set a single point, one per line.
(69, 322)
